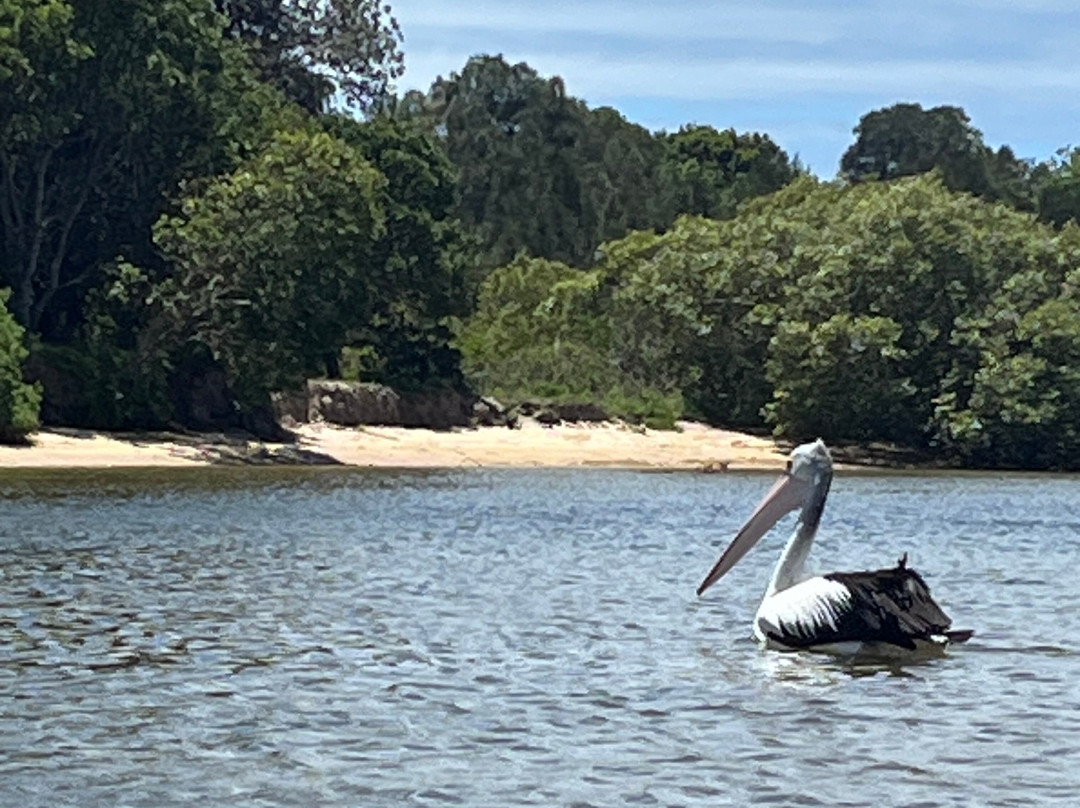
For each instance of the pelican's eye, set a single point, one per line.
(789, 467)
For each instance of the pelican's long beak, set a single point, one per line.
(786, 495)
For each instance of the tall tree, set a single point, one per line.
(622, 177)
(423, 254)
(1058, 183)
(315, 49)
(514, 137)
(713, 171)
(904, 140)
(272, 264)
(104, 107)
(543, 173)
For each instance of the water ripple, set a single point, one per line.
(513, 638)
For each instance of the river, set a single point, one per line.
(280, 637)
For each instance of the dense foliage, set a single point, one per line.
(899, 311)
(420, 265)
(116, 116)
(186, 227)
(312, 50)
(104, 107)
(904, 140)
(18, 400)
(542, 172)
(273, 254)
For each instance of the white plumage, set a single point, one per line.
(806, 609)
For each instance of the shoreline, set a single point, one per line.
(694, 447)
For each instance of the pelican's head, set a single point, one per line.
(803, 486)
(811, 463)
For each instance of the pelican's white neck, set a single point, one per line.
(791, 569)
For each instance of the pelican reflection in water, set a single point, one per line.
(880, 613)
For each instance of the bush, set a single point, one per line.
(543, 330)
(19, 402)
(96, 385)
(896, 311)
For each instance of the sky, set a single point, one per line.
(802, 71)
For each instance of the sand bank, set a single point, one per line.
(566, 445)
(693, 447)
(82, 448)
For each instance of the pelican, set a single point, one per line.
(886, 612)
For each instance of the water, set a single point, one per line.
(325, 638)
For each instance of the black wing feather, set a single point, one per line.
(888, 605)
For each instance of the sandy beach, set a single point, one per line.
(692, 447)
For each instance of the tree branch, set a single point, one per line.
(24, 290)
(9, 202)
(94, 174)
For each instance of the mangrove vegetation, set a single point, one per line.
(212, 201)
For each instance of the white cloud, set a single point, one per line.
(718, 78)
(722, 21)
(804, 71)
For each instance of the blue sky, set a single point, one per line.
(804, 72)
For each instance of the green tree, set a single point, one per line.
(1058, 183)
(698, 305)
(622, 180)
(542, 173)
(272, 264)
(423, 250)
(531, 335)
(514, 138)
(104, 107)
(714, 171)
(538, 170)
(314, 50)
(19, 401)
(1012, 395)
(843, 378)
(911, 252)
(544, 330)
(904, 140)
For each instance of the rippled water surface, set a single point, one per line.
(309, 638)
